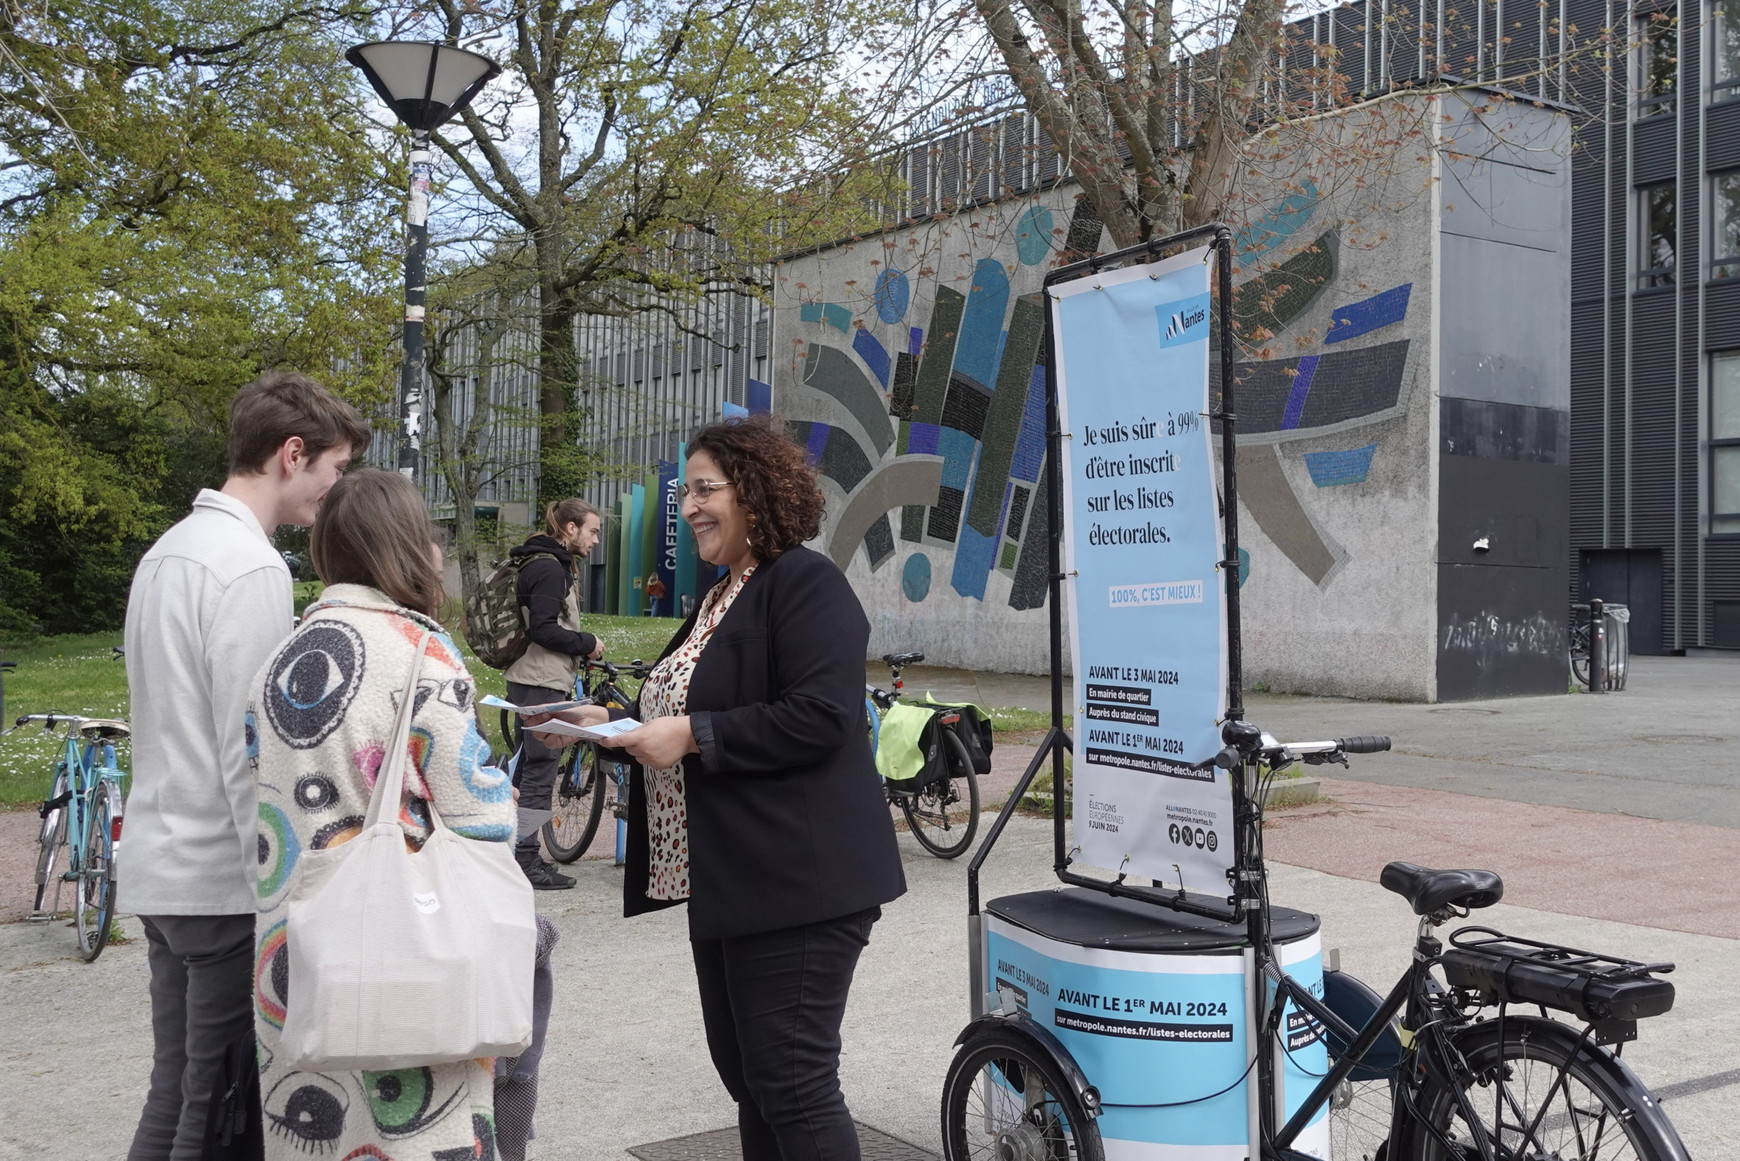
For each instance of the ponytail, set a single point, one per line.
(558, 514)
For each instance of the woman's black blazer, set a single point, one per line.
(787, 821)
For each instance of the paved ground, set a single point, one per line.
(1667, 747)
(627, 1065)
(1608, 845)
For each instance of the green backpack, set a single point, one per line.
(492, 623)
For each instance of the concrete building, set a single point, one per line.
(1655, 324)
(1397, 515)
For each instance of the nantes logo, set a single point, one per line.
(1184, 321)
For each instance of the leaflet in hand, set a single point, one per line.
(495, 702)
(596, 733)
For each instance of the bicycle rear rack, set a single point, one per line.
(1610, 992)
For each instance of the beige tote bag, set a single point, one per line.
(402, 958)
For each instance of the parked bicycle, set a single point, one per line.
(587, 773)
(941, 801)
(1461, 1061)
(81, 826)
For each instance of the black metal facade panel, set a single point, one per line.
(1722, 315)
(1503, 431)
(1653, 152)
(1722, 136)
(1501, 631)
(1517, 508)
(1588, 217)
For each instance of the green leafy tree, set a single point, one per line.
(186, 198)
(636, 151)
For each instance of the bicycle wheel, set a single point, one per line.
(1580, 654)
(578, 804)
(51, 839)
(1533, 1098)
(94, 909)
(936, 814)
(1004, 1100)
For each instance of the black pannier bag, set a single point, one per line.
(972, 727)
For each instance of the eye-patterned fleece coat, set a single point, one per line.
(320, 718)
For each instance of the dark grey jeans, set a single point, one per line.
(202, 985)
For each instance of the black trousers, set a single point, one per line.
(202, 1001)
(772, 1005)
(536, 773)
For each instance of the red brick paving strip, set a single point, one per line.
(1674, 875)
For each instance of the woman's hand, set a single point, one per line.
(659, 744)
(586, 715)
(598, 649)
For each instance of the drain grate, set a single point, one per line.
(721, 1145)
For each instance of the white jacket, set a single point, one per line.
(210, 602)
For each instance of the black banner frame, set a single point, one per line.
(1237, 904)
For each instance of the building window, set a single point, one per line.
(1725, 54)
(1725, 443)
(1657, 35)
(1725, 225)
(1657, 233)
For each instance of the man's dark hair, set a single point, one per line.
(280, 405)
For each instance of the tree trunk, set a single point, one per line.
(560, 464)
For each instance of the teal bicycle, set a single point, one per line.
(81, 827)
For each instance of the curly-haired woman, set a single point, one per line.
(755, 798)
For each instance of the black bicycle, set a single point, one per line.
(941, 802)
(1461, 1061)
(585, 774)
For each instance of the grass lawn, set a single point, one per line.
(71, 675)
(79, 675)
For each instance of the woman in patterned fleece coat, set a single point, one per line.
(320, 718)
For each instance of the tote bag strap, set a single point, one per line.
(390, 781)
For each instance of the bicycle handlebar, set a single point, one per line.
(1364, 744)
(613, 669)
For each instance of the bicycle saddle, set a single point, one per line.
(1428, 890)
(104, 729)
(902, 659)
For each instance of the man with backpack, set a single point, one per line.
(535, 636)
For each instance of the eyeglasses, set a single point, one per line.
(701, 489)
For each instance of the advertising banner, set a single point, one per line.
(1165, 1039)
(662, 584)
(1142, 540)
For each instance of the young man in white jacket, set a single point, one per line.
(210, 602)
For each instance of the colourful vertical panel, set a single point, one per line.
(939, 355)
(982, 323)
(1300, 391)
(651, 537)
(636, 542)
(837, 317)
(974, 555)
(687, 561)
(1030, 444)
(759, 396)
(623, 562)
(875, 356)
(613, 560)
(1002, 431)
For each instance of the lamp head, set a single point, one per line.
(423, 83)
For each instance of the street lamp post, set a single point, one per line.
(424, 84)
